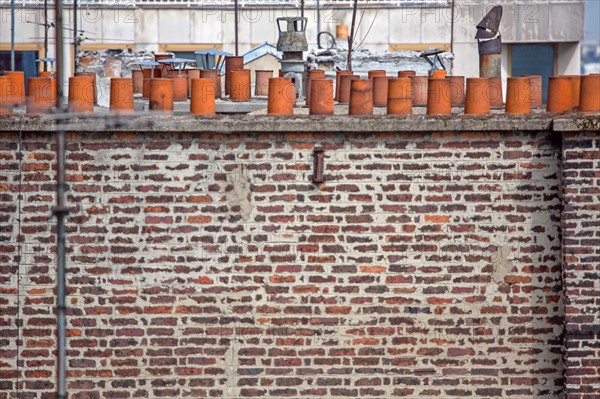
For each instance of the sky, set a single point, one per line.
(592, 20)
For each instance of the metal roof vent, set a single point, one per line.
(292, 34)
(292, 42)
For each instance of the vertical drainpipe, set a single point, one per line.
(60, 212)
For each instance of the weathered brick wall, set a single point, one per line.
(581, 249)
(427, 265)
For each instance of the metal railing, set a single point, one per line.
(228, 3)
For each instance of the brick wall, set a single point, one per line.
(581, 251)
(209, 265)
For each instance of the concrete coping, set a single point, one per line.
(299, 123)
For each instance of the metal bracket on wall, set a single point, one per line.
(318, 165)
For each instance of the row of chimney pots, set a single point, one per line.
(438, 92)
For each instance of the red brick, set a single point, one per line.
(176, 258)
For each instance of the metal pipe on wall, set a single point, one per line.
(60, 211)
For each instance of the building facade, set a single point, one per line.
(439, 258)
(540, 37)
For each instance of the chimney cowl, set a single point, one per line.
(292, 34)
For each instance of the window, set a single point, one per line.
(24, 61)
(533, 59)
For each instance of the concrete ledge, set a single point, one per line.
(298, 123)
(581, 124)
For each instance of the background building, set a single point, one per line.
(590, 47)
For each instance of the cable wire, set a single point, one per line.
(368, 31)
